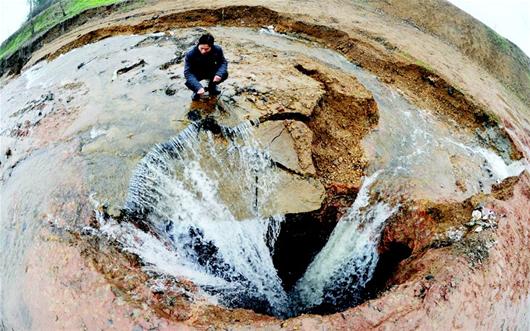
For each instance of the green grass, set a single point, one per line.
(416, 61)
(502, 43)
(424, 65)
(78, 6)
(47, 20)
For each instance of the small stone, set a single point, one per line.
(455, 235)
(479, 229)
(170, 91)
(114, 212)
(429, 277)
(476, 215)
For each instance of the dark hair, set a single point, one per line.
(206, 39)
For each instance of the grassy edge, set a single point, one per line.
(46, 20)
(416, 61)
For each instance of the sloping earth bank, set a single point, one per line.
(477, 282)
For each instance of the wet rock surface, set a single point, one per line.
(84, 136)
(289, 143)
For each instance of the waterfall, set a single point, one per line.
(202, 196)
(341, 270)
(202, 201)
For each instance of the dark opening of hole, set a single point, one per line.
(301, 237)
(386, 267)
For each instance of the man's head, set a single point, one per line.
(205, 43)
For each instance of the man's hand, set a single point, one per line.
(216, 79)
(200, 91)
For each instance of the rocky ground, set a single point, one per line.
(456, 264)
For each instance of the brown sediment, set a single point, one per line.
(127, 280)
(303, 137)
(344, 115)
(504, 190)
(172, 299)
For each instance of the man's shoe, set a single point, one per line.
(195, 96)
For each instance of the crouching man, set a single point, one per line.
(205, 61)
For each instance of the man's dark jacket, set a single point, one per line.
(198, 66)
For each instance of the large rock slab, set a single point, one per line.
(289, 143)
(295, 194)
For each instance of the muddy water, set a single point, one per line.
(102, 107)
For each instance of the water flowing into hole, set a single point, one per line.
(338, 275)
(203, 203)
(208, 201)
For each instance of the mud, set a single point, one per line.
(344, 115)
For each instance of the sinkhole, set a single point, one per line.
(209, 203)
(299, 240)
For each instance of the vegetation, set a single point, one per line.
(45, 14)
(502, 43)
(416, 61)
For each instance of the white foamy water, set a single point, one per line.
(348, 260)
(493, 163)
(202, 200)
